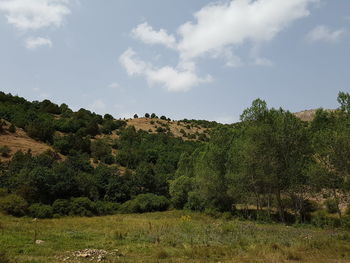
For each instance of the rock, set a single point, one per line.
(39, 242)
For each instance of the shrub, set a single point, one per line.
(61, 207)
(106, 208)
(160, 129)
(145, 203)
(136, 116)
(147, 115)
(40, 211)
(179, 189)
(82, 206)
(321, 219)
(345, 222)
(100, 149)
(331, 206)
(5, 151)
(213, 212)
(12, 128)
(194, 202)
(348, 209)
(13, 205)
(311, 206)
(108, 159)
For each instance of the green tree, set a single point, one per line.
(179, 189)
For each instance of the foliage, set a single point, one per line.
(82, 206)
(179, 189)
(332, 206)
(13, 205)
(40, 211)
(5, 151)
(145, 203)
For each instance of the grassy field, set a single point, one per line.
(174, 236)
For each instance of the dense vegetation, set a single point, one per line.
(267, 167)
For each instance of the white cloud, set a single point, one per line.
(325, 34)
(263, 62)
(181, 78)
(133, 65)
(232, 23)
(174, 79)
(114, 85)
(148, 35)
(36, 42)
(34, 14)
(217, 31)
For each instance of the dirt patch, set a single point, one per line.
(20, 141)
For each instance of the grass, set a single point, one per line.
(174, 236)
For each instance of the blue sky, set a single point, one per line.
(184, 59)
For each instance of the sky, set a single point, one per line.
(195, 59)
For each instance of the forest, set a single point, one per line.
(270, 166)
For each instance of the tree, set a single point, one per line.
(108, 117)
(147, 115)
(179, 189)
(100, 149)
(136, 116)
(92, 128)
(344, 101)
(331, 141)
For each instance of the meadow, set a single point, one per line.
(172, 236)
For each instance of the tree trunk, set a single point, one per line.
(280, 207)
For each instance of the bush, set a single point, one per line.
(100, 149)
(145, 203)
(311, 206)
(348, 210)
(12, 128)
(82, 206)
(321, 219)
(106, 208)
(40, 211)
(331, 206)
(61, 207)
(5, 151)
(194, 202)
(345, 222)
(179, 189)
(213, 212)
(13, 205)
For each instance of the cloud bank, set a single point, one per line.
(36, 42)
(32, 15)
(172, 79)
(325, 34)
(216, 31)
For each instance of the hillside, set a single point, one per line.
(147, 164)
(185, 130)
(20, 141)
(308, 115)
